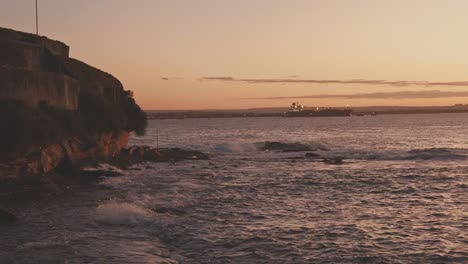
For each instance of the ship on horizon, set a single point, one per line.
(298, 110)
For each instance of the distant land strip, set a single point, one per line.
(279, 111)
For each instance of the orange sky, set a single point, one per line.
(143, 41)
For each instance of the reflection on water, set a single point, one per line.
(399, 197)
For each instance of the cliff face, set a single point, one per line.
(58, 111)
(68, 152)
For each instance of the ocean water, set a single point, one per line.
(401, 196)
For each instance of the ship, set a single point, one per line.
(298, 110)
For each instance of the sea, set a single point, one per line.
(399, 196)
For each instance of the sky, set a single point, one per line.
(225, 54)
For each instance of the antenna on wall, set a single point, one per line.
(37, 20)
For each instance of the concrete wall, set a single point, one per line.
(21, 55)
(36, 69)
(39, 88)
(56, 47)
(31, 70)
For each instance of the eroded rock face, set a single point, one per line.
(51, 157)
(104, 145)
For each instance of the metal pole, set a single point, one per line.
(37, 20)
(157, 139)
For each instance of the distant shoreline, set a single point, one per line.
(358, 112)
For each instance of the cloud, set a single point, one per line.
(226, 79)
(353, 81)
(171, 78)
(389, 95)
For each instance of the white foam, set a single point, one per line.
(43, 244)
(235, 147)
(123, 214)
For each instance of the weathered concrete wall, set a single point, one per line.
(55, 47)
(39, 88)
(94, 81)
(20, 55)
(49, 75)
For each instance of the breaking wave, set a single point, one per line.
(123, 214)
(241, 146)
(441, 154)
(438, 153)
(234, 147)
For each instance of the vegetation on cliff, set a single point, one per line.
(26, 129)
(100, 115)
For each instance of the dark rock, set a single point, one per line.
(285, 147)
(311, 155)
(334, 161)
(297, 149)
(7, 217)
(141, 154)
(99, 173)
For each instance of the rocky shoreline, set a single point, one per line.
(28, 188)
(123, 160)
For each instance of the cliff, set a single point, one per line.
(57, 111)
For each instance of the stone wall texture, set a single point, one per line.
(39, 72)
(39, 89)
(20, 55)
(31, 71)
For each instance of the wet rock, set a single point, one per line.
(311, 155)
(285, 147)
(334, 161)
(99, 173)
(141, 154)
(7, 217)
